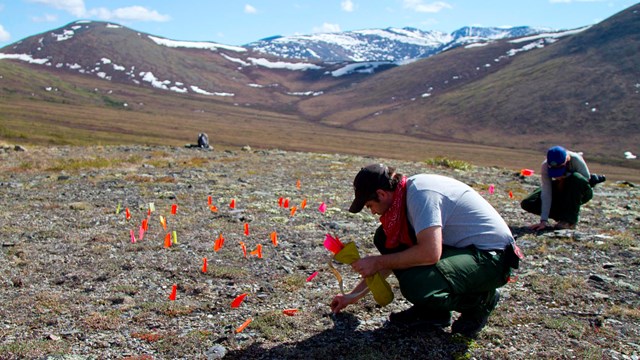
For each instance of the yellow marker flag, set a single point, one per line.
(378, 286)
(175, 237)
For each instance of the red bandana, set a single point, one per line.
(394, 220)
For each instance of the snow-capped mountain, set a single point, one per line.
(391, 44)
(480, 85)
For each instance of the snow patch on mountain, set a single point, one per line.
(23, 57)
(547, 35)
(283, 65)
(360, 68)
(195, 44)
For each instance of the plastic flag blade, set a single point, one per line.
(238, 300)
(312, 276)
(244, 325)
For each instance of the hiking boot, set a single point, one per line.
(595, 179)
(471, 323)
(564, 225)
(419, 316)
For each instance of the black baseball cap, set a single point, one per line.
(369, 179)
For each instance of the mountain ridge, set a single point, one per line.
(535, 90)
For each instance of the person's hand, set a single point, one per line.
(340, 302)
(539, 226)
(366, 266)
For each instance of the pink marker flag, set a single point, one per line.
(312, 276)
(133, 237)
(492, 189)
(322, 208)
(333, 244)
(140, 233)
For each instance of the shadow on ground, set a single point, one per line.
(344, 341)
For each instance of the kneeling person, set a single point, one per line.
(448, 247)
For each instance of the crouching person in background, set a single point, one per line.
(566, 185)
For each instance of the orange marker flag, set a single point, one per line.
(232, 204)
(163, 221)
(298, 184)
(127, 214)
(258, 251)
(303, 204)
(145, 224)
(246, 229)
(148, 212)
(167, 241)
(293, 210)
(244, 248)
(286, 203)
(213, 208)
(209, 200)
(244, 325)
(280, 200)
(218, 243)
(174, 291)
(290, 312)
(204, 265)
(274, 238)
(238, 300)
(510, 194)
(174, 209)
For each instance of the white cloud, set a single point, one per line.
(45, 18)
(74, 7)
(327, 28)
(138, 13)
(4, 34)
(347, 5)
(250, 9)
(421, 6)
(78, 9)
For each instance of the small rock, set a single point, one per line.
(79, 206)
(599, 278)
(216, 352)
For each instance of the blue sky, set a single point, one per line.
(235, 22)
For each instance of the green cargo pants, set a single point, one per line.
(459, 281)
(567, 195)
